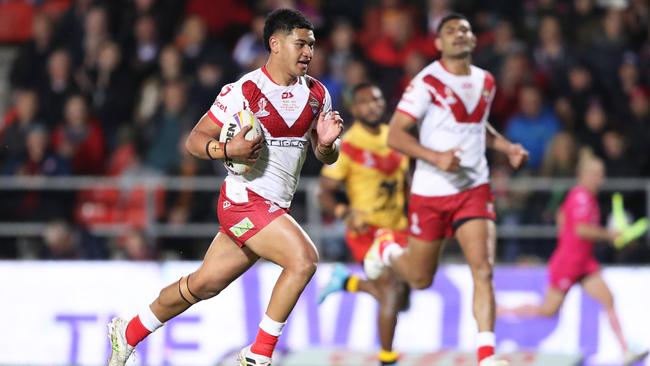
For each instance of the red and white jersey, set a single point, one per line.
(287, 115)
(452, 111)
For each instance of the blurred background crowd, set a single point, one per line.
(111, 88)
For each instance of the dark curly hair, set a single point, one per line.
(284, 20)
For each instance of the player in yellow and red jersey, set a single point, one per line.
(374, 179)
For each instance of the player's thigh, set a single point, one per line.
(424, 255)
(477, 238)
(553, 300)
(285, 243)
(596, 287)
(223, 263)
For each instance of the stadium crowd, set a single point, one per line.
(111, 88)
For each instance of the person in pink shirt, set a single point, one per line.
(573, 260)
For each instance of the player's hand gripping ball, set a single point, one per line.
(230, 129)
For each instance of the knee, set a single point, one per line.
(549, 311)
(421, 282)
(303, 265)
(483, 273)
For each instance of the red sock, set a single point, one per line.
(264, 343)
(485, 352)
(136, 332)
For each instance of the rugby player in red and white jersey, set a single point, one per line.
(294, 111)
(450, 194)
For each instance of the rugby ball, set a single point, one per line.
(231, 128)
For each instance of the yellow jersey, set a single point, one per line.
(373, 175)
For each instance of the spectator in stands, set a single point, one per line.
(70, 28)
(111, 92)
(515, 72)
(637, 127)
(28, 68)
(144, 48)
(596, 122)
(160, 135)
(193, 43)
(629, 79)
(57, 89)
(561, 156)
(581, 92)
(607, 49)
(585, 23)
(249, 52)
(209, 77)
(343, 48)
(84, 51)
(39, 160)
(14, 133)
(534, 126)
(493, 55)
(616, 157)
(560, 161)
(319, 68)
(150, 93)
(552, 56)
(64, 242)
(135, 245)
(165, 14)
(80, 138)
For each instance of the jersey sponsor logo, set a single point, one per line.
(315, 105)
(272, 206)
(261, 108)
(287, 95)
(220, 105)
(230, 133)
(287, 143)
(415, 224)
(368, 159)
(242, 227)
(226, 89)
(450, 99)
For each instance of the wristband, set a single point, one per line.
(222, 146)
(321, 151)
(207, 149)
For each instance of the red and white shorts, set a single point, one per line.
(242, 213)
(359, 243)
(432, 218)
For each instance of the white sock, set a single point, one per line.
(271, 327)
(484, 339)
(149, 320)
(391, 251)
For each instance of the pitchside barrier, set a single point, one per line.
(93, 199)
(55, 313)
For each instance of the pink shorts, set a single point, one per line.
(241, 220)
(432, 218)
(564, 273)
